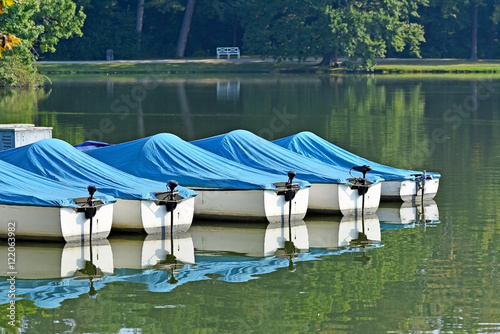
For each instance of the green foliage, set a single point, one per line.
(15, 70)
(358, 30)
(35, 22)
(448, 25)
(60, 20)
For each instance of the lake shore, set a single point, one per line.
(258, 65)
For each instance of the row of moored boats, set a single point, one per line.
(159, 184)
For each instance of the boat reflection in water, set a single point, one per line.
(230, 252)
(49, 273)
(340, 234)
(237, 251)
(160, 256)
(395, 215)
(250, 239)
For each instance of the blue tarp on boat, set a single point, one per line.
(165, 156)
(251, 150)
(58, 160)
(20, 187)
(310, 145)
(90, 145)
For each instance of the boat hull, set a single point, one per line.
(343, 199)
(250, 205)
(407, 190)
(37, 222)
(149, 216)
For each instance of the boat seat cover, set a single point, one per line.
(311, 145)
(21, 187)
(57, 160)
(249, 149)
(165, 156)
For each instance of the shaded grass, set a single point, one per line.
(437, 66)
(259, 66)
(177, 67)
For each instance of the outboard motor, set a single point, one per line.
(91, 210)
(360, 183)
(171, 204)
(290, 193)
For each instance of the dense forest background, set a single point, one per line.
(150, 29)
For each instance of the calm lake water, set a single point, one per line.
(434, 269)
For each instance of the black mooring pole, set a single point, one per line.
(363, 190)
(424, 177)
(291, 175)
(172, 184)
(91, 189)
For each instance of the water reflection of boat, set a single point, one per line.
(139, 252)
(36, 260)
(333, 188)
(339, 232)
(408, 214)
(51, 273)
(222, 185)
(160, 254)
(265, 247)
(399, 184)
(141, 204)
(258, 240)
(220, 246)
(348, 234)
(32, 206)
(163, 262)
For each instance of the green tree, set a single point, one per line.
(461, 28)
(7, 41)
(359, 30)
(37, 23)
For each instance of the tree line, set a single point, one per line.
(357, 30)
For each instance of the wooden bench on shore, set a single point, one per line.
(228, 51)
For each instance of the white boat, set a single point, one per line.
(333, 189)
(33, 207)
(141, 204)
(226, 190)
(251, 205)
(344, 198)
(398, 184)
(412, 190)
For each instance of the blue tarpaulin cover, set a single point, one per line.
(58, 160)
(251, 150)
(90, 145)
(20, 187)
(165, 156)
(310, 145)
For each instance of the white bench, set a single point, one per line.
(228, 51)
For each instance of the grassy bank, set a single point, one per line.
(175, 66)
(252, 65)
(437, 66)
